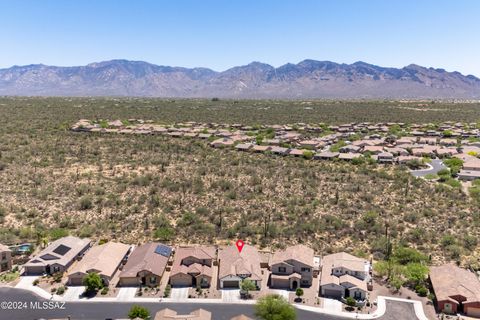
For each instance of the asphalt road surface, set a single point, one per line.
(436, 164)
(115, 310)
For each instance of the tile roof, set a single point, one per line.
(300, 253)
(233, 262)
(198, 252)
(144, 258)
(167, 314)
(103, 259)
(449, 280)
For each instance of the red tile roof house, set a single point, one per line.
(344, 275)
(471, 170)
(292, 267)
(146, 265)
(456, 290)
(235, 266)
(58, 256)
(5, 258)
(193, 266)
(104, 259)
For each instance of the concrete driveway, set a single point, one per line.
(73, 293)
(332, 304)
(179, 294)
(231, 295)
(435, 166)
(126, 293)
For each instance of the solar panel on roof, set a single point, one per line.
(61, 249)
(163, 250)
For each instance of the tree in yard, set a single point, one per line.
(138, 312)
(274, 307)
(92, 282)
(350, 302)
(299, 293)
(247, 286)
(416, 273)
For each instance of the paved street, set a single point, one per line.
(436, 165)
(104, 310)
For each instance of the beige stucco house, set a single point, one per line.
(104, 259)
(292, 267)
(145, 265)
(193, 266)
(236, 266)
(344, 275)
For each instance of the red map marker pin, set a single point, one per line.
(239, 245)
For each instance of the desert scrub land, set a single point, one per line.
(135, 188)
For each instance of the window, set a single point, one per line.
(305, 269)
(304, 281)
(282, 269)
(153, 279)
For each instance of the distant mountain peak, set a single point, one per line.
(306, 79)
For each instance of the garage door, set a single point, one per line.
(473, 312)
(332, 293)
(231, 284)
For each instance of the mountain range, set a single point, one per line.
(307, 79)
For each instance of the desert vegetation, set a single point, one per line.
(135, 188)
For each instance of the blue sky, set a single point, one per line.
(221, 34)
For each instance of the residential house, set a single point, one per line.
(344, 275)
(243, 146)
(146, 265)
(104, 259)
(348, 156)
(456, 290)
(373, 149)
(222, 142)
(5, 258)
(168, 314)
(292, 267)
(326, 155)
(258, 148)
(235, 266)
(193, 266)
(448, 142)
(397, 151)
(279, 150)
(309, 144)
(350, 149)
(58, 256)
(385, 157)
(296, 152)
(427, 151)
(446, 152)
